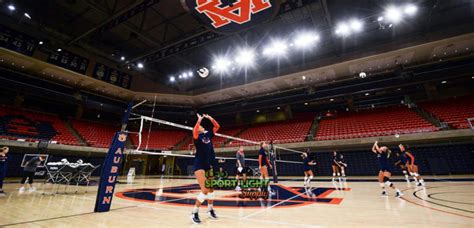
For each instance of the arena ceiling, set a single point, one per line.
(162, 24)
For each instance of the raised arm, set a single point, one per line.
(214, 122)
(375, 148)
(196, 127)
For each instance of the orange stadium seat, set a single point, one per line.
(370, 123)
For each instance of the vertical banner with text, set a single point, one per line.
(110, 172)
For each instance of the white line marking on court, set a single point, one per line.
(268, 208)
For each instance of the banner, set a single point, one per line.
(231, 16)
(69, 61)
(110, 172)
(112, 76)
(17, 41)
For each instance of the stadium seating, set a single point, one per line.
(369, 123)
(160, 139)
(95, 134)
(290, 131)
(33, 126)
(454, 111)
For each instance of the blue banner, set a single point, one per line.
(110, 172)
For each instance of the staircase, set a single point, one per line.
(236, 135)
(314, 128)
(79, 138)
(182, 142)
(430, 118)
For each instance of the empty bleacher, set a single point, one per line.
(454, 111)
(95, 134)
(290, 131)
(373, 122)
(34, 126)
(159, 139)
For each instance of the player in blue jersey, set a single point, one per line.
(308, 173)
(264, 163)
(400, 162)
(3, 167)
(383, 155)
(204, 161)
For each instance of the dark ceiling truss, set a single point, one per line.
(196, 40)
(116, 19)
(129, 26)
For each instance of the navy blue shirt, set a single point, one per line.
(205, 150)
(264, 156)
(306, 164)
(4, 158)
(383, 159)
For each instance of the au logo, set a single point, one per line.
(284, 196)
(232, 15)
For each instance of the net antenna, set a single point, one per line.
(164, 122)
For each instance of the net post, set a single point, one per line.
(273, 161)
(111, 166)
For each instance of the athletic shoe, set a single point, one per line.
(32, 189)
(22, 189)
(384, 193)
(237, 188)
(2, 193)
(212, 214)
(195, 218)
(399, 194)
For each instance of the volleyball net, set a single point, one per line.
(144, 139)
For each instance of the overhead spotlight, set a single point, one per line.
(306, 103)
(343, 29)
(222, 64)
(277, 48)
(245, 57)
(258, 110)
(332, 99)
(122, 58)
(172, 79)
(362, 75)
(303, 77)
(185, 75)
(59, 50)
(410, 9)
(278, 108)
(190, 73)
(180, 76)
(11, 7)
(40, 42)
(27, 15)
(306, 39)
(380, 19)
(140, 65)
(356, 25)
(393, 14)
(444, 82)
(367, 94)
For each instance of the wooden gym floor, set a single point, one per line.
(166, 202)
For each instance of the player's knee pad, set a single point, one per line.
(201, 197)
(310, 177)
(333, 174)
(211, 196)
(338, 174)
(416, 174)
(404, 172)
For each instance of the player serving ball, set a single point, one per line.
(204, 161)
